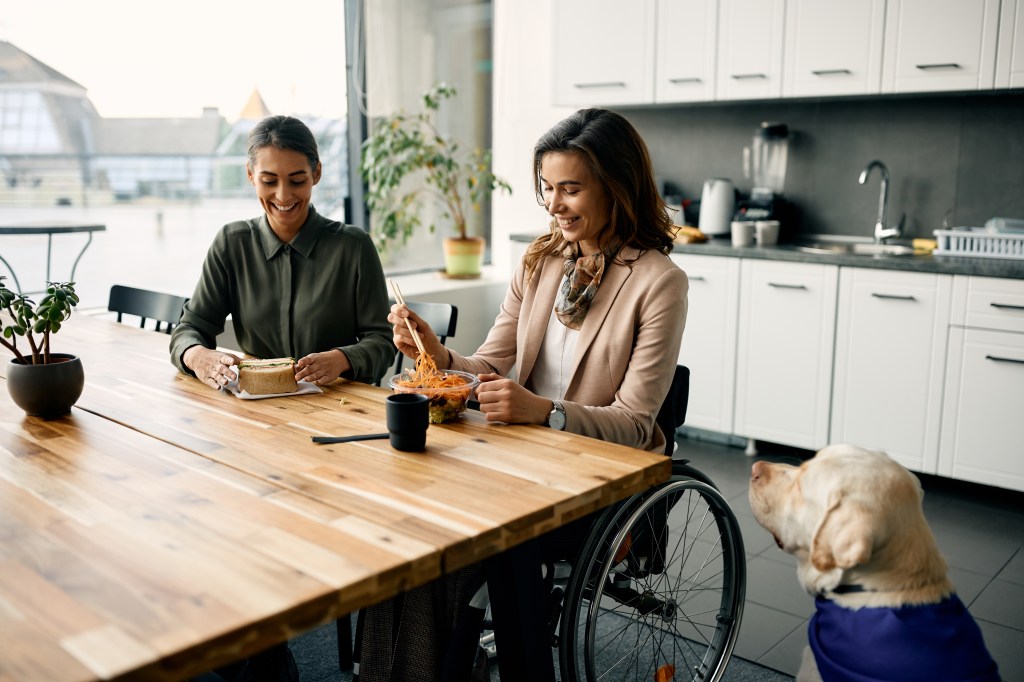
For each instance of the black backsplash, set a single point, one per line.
(958, 157)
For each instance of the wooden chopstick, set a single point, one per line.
(401, 301)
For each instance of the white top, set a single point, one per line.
(551, 374)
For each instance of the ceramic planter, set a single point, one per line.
(46, 390)
(463, 258)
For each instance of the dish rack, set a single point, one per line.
(981, 242)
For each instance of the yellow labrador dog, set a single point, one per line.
(886, 609)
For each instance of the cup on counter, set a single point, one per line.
(742, 233)
(407, 417)
(766, 232)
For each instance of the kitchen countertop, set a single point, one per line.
(1007, 268)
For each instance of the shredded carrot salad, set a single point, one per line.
(427, 375)
(447, 391)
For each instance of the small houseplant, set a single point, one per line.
(406, 160)
(42, 383)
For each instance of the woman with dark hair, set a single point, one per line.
(295, 283)
(591, 325)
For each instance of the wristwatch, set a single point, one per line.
(556, 418)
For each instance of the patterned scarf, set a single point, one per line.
(580, 281)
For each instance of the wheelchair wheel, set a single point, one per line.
(658, 590)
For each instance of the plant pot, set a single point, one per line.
(46, 390)
(463, 257)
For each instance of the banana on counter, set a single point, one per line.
(689, 235)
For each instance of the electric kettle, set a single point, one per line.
(717, 203)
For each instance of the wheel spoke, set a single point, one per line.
(680, 605)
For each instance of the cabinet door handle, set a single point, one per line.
(609, 84)
(698, 278)
(678, 81)
(748, 76)
(893, 297)
(1007, 306)
(779, 285)
(929, 67)
(831, 72)
(996, 358)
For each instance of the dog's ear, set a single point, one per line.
(844, 537)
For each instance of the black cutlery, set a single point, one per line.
(348, 439)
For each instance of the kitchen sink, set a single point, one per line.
(857, 249)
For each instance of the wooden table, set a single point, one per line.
(165, 527)
(49, 229)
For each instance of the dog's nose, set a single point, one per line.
(757, 470)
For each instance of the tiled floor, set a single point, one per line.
(980, 531)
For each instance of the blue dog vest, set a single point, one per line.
(934, 642)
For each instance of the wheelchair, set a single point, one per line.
(656, 590)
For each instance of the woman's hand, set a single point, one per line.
(210, 366)
(503, 400)
(403, 338)
(322, 368)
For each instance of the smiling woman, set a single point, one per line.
(294, 283)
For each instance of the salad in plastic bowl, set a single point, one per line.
(448, 391)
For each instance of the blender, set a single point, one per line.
(764, 164)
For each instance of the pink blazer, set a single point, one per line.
(625, 353)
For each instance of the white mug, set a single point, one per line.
(766, 232)
(742, 233)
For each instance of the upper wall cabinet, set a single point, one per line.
(821, 60)
(947, 45)
(686, 48)
(1010, 58)
(603, 52)
(750, 49)
(610, 52)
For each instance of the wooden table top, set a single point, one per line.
(124, 555)
(478, 489)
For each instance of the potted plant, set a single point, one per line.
(42, 383)
(406, 160)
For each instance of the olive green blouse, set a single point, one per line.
(323, 290)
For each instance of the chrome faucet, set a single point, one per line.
(882, 230)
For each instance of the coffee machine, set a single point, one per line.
(764, 164)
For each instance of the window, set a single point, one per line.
(410, 44)
(140, 123)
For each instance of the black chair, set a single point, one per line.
(164, 309)
(442, 318)
(673, 411)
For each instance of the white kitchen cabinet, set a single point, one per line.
(933, 45)
(833, 47)
(982, 430)
(687, 46)
(785, 350)
(603, 52)
(709, 341)
(1010, 51)
(889, 363)
(750, 49)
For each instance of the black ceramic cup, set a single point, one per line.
(407, 421)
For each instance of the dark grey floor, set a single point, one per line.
(979, 529)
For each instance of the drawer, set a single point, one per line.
(988, 303)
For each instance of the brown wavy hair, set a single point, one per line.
(617, 156)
